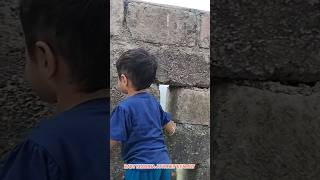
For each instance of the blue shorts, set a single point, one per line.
(147, 174)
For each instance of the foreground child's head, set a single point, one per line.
(66, 45)
(136, 70)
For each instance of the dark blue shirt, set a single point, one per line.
(137, 122)
(73, 145)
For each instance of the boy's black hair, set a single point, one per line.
(139, 66)
(76, 30)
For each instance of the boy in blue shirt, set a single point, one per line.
(66, 64)
(137, 121)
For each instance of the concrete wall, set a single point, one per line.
(179, 38)
(265, 106)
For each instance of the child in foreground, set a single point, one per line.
(138, 121)
(66, 64)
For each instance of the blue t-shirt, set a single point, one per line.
(137, 122)
(73, 145)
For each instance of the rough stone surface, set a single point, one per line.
(266, 131)
(190, 106)
(116, 16)
(276, 40)
(262, 129)
(116, 164)
(205, 30)
(20, 109)
(176, 66)
(116, 97)
(162, 24)
(191, 145)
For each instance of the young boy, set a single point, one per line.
(138, 120)
(66, 63)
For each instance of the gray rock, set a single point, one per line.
(116, 16)
(277, 41)
(191, 145)
(176, 65)
(265, 133)
(161, 24)
(205, 30)
(191, 106)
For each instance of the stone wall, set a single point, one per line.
(179, 38)
(265, 107)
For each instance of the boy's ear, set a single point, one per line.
(124, 79)
(46, 58)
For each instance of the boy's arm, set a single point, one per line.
(170, 128)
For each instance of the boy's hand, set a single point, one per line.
(170, 128)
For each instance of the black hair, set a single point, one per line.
(139, 66)
(76, 30)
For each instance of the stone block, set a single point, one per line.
(191, 145)
(116, 16)
(205, 30)
(176, 65)
(191, 106)
(277, 41)
(265, 132)
(161, 24)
